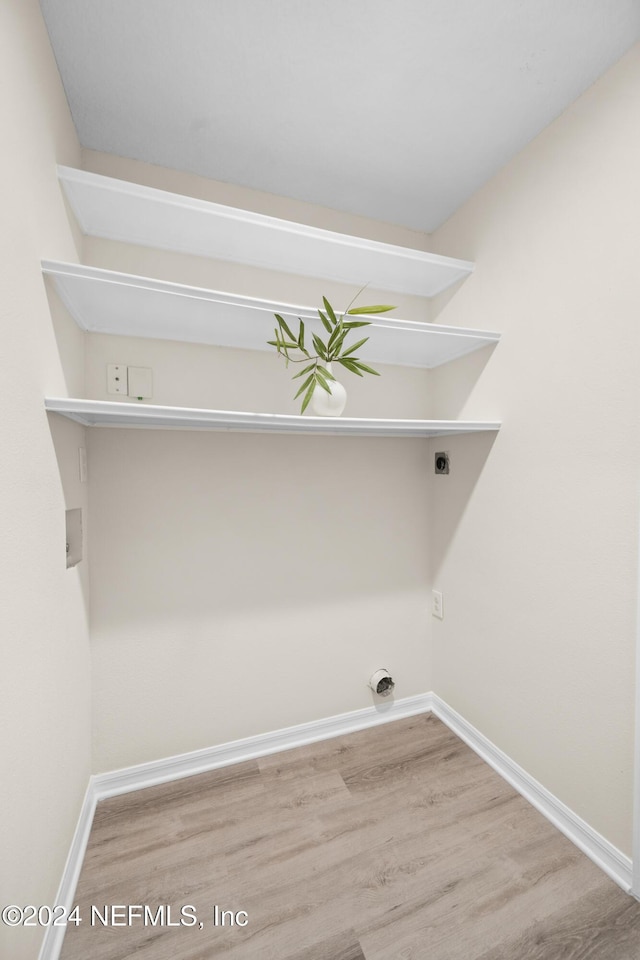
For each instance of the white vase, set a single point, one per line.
(325, 404)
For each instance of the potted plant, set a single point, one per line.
(320, 388)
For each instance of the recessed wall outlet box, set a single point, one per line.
(74, 536)
(82, 464)
(442, 462)
(140, 382)
(437, 606)
(117, 382)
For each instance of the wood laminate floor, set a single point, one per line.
(394, 843)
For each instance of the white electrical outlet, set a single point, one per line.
(437, 607)
(117, 379)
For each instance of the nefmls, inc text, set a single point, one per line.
(163, 915)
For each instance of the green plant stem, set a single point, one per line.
(304, 359)
(331, 351)
(354, 300)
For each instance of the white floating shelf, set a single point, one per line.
(119, 210)
(102, 413)
(104, 301)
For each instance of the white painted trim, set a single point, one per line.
(237, 751)
(635, 843)
(133, 213)
(53, 937)
(143, 775)
(107, 301)
(108, 413)
(614, 863)
(603, 853)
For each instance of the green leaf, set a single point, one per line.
(325, 322)
(322, 383)
(337, 347)
(354, 347)
(320, 347)
(350, 324)
(304, 386)
(335, 335)
(367, 369)
(324, 372)
(301, 337)
(306, 370)
(350, 365)
(330, 311)
(284, 326)
(378, 308)
(308, 395)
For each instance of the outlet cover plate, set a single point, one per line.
(437, 606)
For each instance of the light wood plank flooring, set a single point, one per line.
(395, 843)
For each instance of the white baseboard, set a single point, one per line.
(53, 936)
(597, 848)
(614, 863)
(142, 775)
(237, 751)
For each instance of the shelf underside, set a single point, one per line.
(129, 212)
(101, 413)
(105, 301)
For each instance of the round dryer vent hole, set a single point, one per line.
(382, 683)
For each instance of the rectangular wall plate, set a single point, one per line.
(74, 536)
(82, 464)
(437, 606)
(117, 379)
(140, 381)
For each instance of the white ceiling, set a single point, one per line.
(394, 109)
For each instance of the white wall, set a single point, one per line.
(221, 378)
(195, 375)
(44, 681)
(242, 583)
(191, 591)
(196, 639)
(535, 544)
